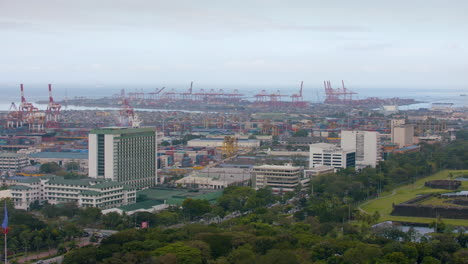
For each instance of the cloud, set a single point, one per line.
(367, 46)
(184, 16)
(15, 25)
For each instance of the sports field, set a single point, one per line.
(383, 204)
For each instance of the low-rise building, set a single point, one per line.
(218, 142)
(330, 155)
(62, 158)
(279, 178)
(216, 178)
(85, 192)
(13, 161)
(319, 170)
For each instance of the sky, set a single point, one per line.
(255, 43)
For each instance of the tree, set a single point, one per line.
(85, 255)
(35, 206)
(71, 230)
(195, 207)
(72, 166)
(25, 238)
(234, 198)
(50, 167)
(37, 241)
(430, 260)
(277, 256)
(111, 220)
(396, 258)
(363, 253)
(301, 133)
(461, 257)
(89, 215)
(184, 254)
(242, 255)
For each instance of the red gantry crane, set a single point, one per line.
(31, 114)
(52, 111)
(297, 99)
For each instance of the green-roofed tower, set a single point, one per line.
(126, 155)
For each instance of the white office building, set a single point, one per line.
(366, 144)
(125, 155)
(279, 178)
(13, 161)
(324, 154)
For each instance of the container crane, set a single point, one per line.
(52, 111)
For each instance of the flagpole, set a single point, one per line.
(5, 231)
(6, 251)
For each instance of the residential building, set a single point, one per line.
(394, 123)
(366, 144)
(85, 192)
(403, 135)
(125, 155)
(13, 161)
(279, 178)
(330, 155)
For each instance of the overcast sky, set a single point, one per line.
(368, 43)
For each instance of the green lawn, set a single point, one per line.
(384, 203)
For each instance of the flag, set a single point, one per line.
(5, 221)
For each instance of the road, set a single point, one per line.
(58, 259)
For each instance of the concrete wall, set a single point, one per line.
(92, 155)
(109, 157)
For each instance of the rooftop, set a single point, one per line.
(59, 155)
(11, 155)
(141, 205)
(20, 187)
(89, 192)
(277, 167)
(326, 147)
(29, 180)
(81, 182)
(177, 196)
(408, 148)
(121, 130)
(222, 139)
(104, 185)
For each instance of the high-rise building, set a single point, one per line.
(394, 123)
(126, 155)
(365, 143)
(330, 155)
(402, 134)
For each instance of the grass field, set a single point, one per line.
(441, 202)
(383, 204)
